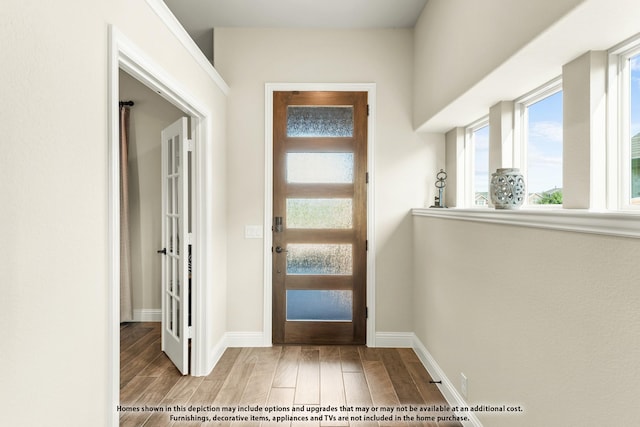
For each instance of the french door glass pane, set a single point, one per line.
(320, 121)
(170, 310)
(330, 168)
(319, 213)
(176, 155)
(169, 200)
(174, 195)
(319, 259)
(177, 331)
(319, 305)
(170, 156)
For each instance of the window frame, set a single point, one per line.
(521, 137)
(469, 162)
(619, 137)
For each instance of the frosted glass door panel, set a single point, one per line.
(321, 168)
(320, 259)
(317, 305)
(319, 121)
(320, 213)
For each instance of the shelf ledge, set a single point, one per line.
(620, 224)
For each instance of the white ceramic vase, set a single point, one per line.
(507, 188)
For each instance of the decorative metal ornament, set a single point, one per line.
(440, 184)
(507, 188)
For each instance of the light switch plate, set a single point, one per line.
(253, 232)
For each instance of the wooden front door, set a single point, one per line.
(319, 217)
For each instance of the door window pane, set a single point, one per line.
(319, 305)
(324, 259)
(176, 154)
(330, 168)
(319, 121)
(319, 213)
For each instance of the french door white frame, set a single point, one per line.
(370, 88)
(125, 55)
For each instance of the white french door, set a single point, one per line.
(175, 242)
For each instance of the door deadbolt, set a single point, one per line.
(277, 224)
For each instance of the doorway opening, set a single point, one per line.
(126, 56)
(319, 210)
(155, 167)
(295, 249)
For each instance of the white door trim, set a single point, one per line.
(125, 55)
(370, 88)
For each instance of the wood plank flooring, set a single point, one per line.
(350, 380)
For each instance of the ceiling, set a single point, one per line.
(199, 17)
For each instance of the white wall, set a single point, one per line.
(459, 42)
(55, 346)
(149, 116)
(545, 319)
(249, 58)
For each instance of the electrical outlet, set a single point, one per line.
(464, 385)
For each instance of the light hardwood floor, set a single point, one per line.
(344, 378)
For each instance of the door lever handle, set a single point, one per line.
(162, 251)
(280, 250)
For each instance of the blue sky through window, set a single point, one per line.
(481, 160)
(544, 148)
(635, 95)
(634, 128)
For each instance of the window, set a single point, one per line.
(632, 134)
(477, 163)
(624, 138)
(540, 127)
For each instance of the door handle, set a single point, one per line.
(280, 250)
(162, 251)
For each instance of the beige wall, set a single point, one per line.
(545, 319)
(150, 115)
(53, 179)
(459, 42)
(405, 164)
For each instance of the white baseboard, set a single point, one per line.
(244, 339)
(215, 354)
(395, 339)
(446, 388)
(147, 315)
(232, 339)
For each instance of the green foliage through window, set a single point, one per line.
(551, 198)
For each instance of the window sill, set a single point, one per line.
(623, 224)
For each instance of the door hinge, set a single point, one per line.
(366, 178)
(189, 332)
(189, 145)
(189, 238)
(366, 312)
(368, 111)
(366, 245)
